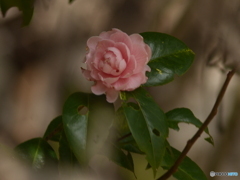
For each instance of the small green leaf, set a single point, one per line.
(187, 170)
(54, 129)
(70, 1)
(148, 126)
(26, 6)
(121, 159)
(170, 57)
(87, 119)
(185, 115)
(38, 153)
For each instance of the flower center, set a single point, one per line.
(112, 62)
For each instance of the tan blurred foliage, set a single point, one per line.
(40, 66)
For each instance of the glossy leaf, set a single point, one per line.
(120, 158)
(187, 170)
(26, 6)
(38, 153)
(75, 124)
(129, 144)
(148, 126)
(170, 57)
(87, 131)
(68, 163)
(54, 129)
(125, 139)
(185, 115)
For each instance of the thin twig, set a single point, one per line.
(55, 131)
(190, 142)
(123, 137)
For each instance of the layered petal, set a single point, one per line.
(106, 35)
(112, 95)
(141, 56)
(87, 74)
(93, 41)
(130, 68)
(106, 79)
(135, 81)
(98, 88)
(123, 38)
(116, 62)
(125, 52)
(138, 39)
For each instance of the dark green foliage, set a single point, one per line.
(26, 6)
(170, 57)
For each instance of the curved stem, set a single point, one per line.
(190, 142)
(123, 137)
(55, 131)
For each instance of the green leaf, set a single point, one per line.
(125, 138)
(66, 156)
(87, 119)
(54, 129)
(70, 1)
(185, 115)
(129, 144)
(68, 163)
(170, 57)
(187, 170)
(26, 6)
(120, 158)
(148, 126)
(38, 153)
(75, 124)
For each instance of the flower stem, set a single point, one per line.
(190, 142)
(123, 137)
(55, 131)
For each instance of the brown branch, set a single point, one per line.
(58, 129)
(123, 137)
(190, 142)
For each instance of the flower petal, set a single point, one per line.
(125, 52)
(107, 79)
(141, 51)
(120, 84)
(87, 74)
(135, 81)
(141, 57)
(116, 52)
(93, 41)
(106, 35)
(147, 68)
(100, 52)
(136, 39)
(112, 95)
(107, 68)
(130, 68)
(122, 37)
(149, 51)
(121, 66)
(98, 88)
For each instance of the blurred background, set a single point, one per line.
(40, 67)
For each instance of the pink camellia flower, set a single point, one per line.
(116, 62)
